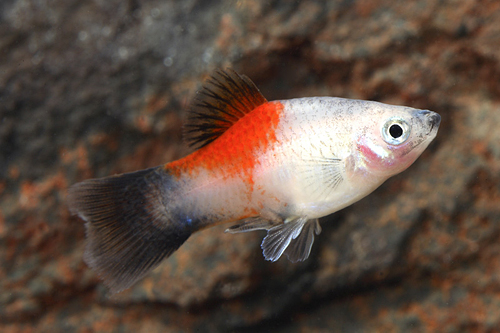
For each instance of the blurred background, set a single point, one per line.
(94, 88)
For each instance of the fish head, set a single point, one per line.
(393, 139)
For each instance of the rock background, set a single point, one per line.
(92, 88)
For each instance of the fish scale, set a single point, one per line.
(277, 166)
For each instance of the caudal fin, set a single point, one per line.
(129, 229)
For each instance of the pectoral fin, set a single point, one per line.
(294, 238)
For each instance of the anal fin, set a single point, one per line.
(251, 224)
(266, 220)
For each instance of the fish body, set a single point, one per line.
(275, 166)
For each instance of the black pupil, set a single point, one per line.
(396, 131)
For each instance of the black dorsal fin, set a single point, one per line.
(224, 99)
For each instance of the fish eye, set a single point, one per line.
(396, 131)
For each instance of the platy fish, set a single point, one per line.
(277, 166)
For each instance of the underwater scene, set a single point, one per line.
(249, 166)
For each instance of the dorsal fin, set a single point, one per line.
(224, 99)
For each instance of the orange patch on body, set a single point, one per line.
(235, 153)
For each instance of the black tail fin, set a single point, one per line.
(129, 229)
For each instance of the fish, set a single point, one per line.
(277, 166)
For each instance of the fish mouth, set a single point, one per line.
(433, 119)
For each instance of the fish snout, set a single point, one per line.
(433, 119)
